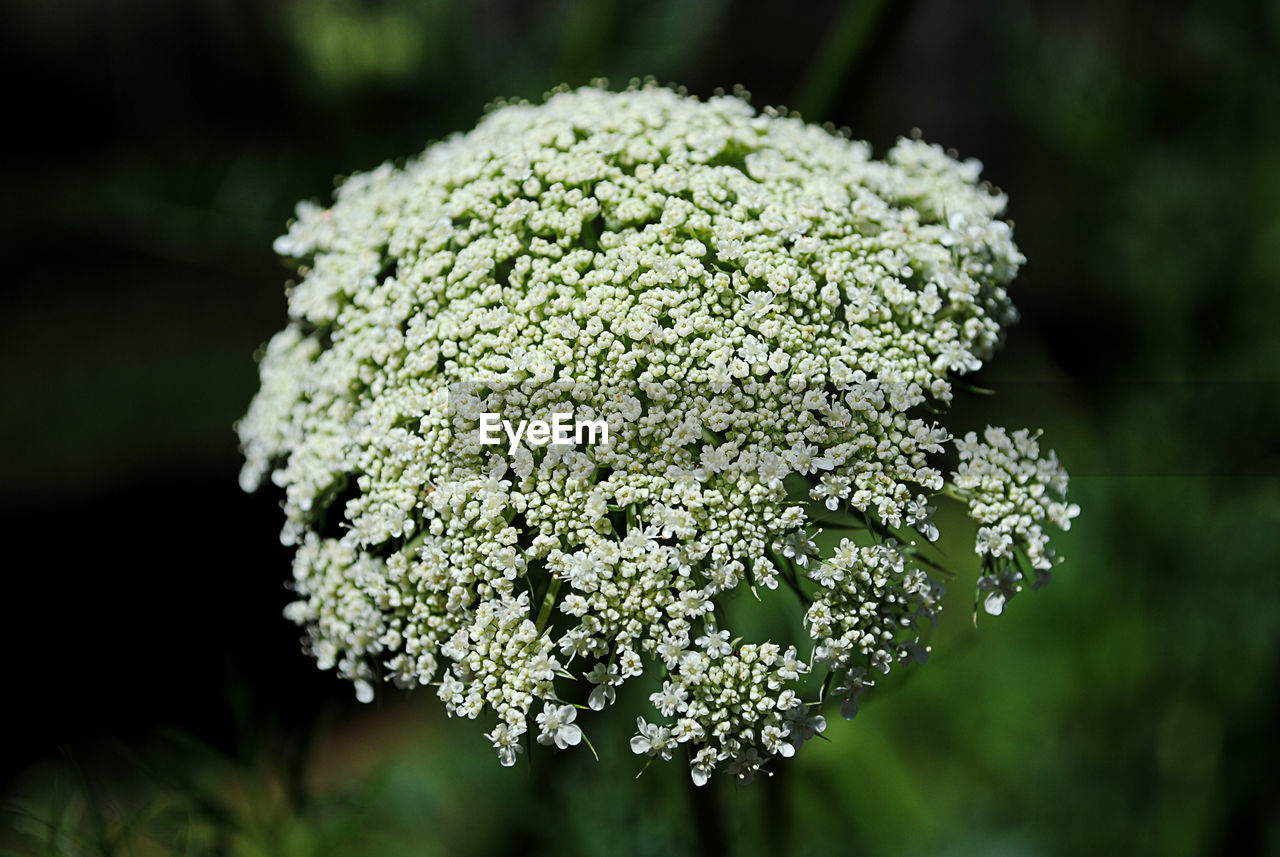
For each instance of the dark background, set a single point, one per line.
(158, 701)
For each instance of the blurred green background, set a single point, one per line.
(158, 703)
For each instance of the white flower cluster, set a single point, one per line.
(765, 316)
(1011, 492)
(744, 696)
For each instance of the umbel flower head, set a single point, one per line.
(767, 322)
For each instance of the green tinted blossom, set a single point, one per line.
(752, 303)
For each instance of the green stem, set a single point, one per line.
(826, 687)
(548, 601)
(413, 543)
(787, 571)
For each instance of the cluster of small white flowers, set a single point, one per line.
(1011, 492)
(735, 706)
(868, 598)
(747, 300)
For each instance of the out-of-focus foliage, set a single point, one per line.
(1127, 708)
